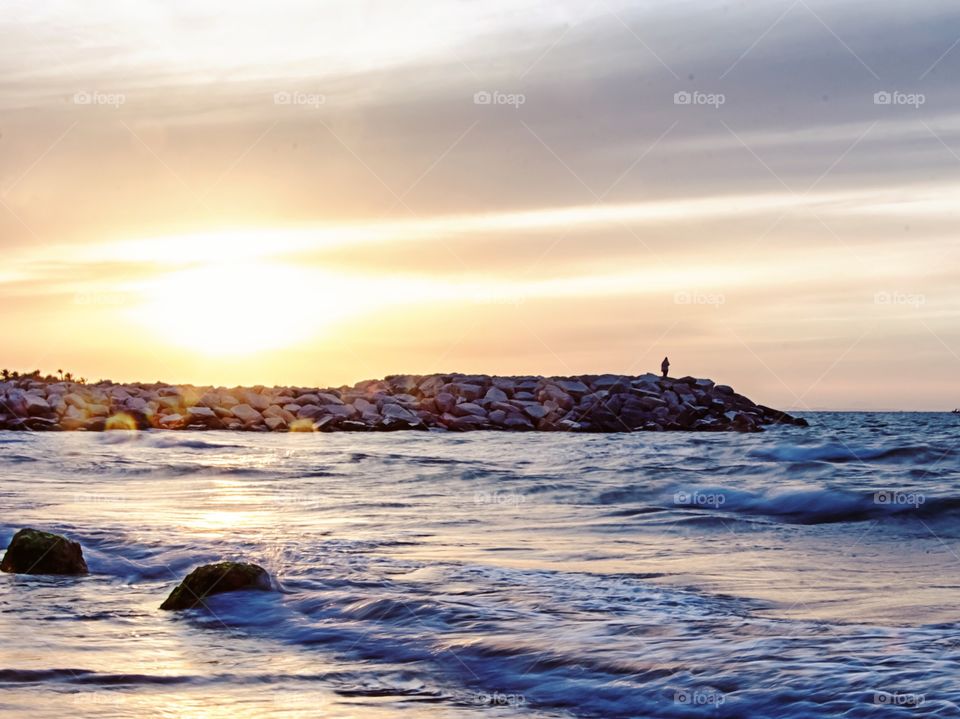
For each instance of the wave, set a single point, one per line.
(842, 452)
(160, 440)
(87, 676)
(819, 506)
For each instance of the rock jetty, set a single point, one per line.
(453, 402)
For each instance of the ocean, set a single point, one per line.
(794, 573)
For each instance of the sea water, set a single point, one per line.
(793, 573)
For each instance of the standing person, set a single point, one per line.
(665, 366)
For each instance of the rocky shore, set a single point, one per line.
(455, 402)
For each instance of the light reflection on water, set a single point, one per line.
(430, 575)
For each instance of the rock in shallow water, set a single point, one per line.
(34, 552)
(210, 579)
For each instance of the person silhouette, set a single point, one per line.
(665, 366)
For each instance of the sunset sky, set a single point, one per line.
(317, 193)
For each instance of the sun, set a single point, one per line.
(233, 308)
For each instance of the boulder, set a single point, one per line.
(518, 423)
(464, 424)
(201, 413)
(75, 400)
(172, 403)
(445, 402)
(432, 385)
(275, 424)
(246, 414)
(344, 411)
(95, 424)
(256, 400)
(34, 552)
(397, 412)
(363, 406)
(535, 411)
(171, 421)
(210, 579)
(37, 406)
(469, 408)
(608, 381)
(309, 411)
(495, 394)
(469, 392)
(203, 417)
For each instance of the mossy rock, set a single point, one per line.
(211, 579)
(34, 552)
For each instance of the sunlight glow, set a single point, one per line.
(234, 308)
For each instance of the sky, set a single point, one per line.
(315, 193)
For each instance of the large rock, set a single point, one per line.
(573, 387)
(34, 552)
(37, 406)
(399, 413)
(467, 408)
(246, 414)
(495, 394)
(210, 579)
